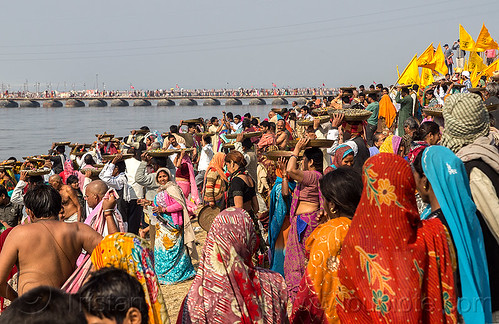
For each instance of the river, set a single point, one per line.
(31, 131)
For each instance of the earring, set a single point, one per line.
(333, 211)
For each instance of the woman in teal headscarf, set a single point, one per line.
(442, 182)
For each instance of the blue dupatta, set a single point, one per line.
(450, 183)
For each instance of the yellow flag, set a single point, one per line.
(475, 78)
(411, 73)
(466, 43)
(490, 69)
(439, 60)
(426, 77)
(476, 62)
(484, 41)
(426, 58)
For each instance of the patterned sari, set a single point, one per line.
(394, 267)
(295, 260)
(129, 252)
(316, 298)
(172, 261)
(227, 287)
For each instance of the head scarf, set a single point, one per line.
(217, 164)
(465, 118)
(418, 147)
(392, 263)
(316, 297)
(387, 110)
(227, 287)
(175, 192)
(354, 128)
(341, 152)
(391, 144)
(449, 181)
(129, 252)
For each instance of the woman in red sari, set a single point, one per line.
(395, 268)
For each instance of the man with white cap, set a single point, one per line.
(465, 76)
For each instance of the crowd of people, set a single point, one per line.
(371, 205)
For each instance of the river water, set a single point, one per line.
(31, 131)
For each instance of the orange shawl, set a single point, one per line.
(387, 110)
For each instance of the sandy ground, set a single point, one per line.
(174, 294)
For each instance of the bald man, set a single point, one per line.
(94, 195)
(72, 209)
(45, 251)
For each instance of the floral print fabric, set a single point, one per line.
(394, 267)
(227, 287)
(129, 252)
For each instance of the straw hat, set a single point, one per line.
(206, 216)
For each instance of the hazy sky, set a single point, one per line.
(224, 43)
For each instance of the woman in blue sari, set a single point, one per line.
(442, 182)
(279, 206)
(171, 232)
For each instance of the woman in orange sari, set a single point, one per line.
(315, 301)
(394, 267)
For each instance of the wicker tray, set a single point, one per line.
(228, 146)
(141, 131)
(38, 172)
(315, 143)
(6, 167)
(112, 156)
(476, 90)
(319, 111)
(199, 121)
(433, 111)
(491, 107)
(80, 145)
(34, 159)
(277, 110)
(458, 86)
(348, 88)
(323, 119)
(159, 153)
(245, 135)
(275, 155)
(62, 143)
(94, 171)
(79, 153)
(352, 114)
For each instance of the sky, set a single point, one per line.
(152, 44)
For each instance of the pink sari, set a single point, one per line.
(189, 187)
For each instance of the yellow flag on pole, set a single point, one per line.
(466, 43)
(475, 77)
(489, 70)
(476, 62)
(484, 41)
(439, 60)
(411, 73)
(426, 77)
(426, 58)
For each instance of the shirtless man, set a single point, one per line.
(72, 208)
(46, 250)
(282, 134)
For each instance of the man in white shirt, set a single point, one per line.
(134, 211)
(204, 160)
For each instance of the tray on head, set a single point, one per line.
(161, 152)
(112, 156)
(62, 143)
(322, 120)
(34, 159)
(315, 143)
(245, 135)
(93, 171)
(229, 146)
(38, 172)
(277, 110)
(433, 111)
(80, 145)
(352, 114)
(319, 111)
(199, 121)
(275, 155)
(350, 89)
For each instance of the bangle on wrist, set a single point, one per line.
(294, 156)
(109, 210)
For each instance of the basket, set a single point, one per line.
(322, 120)
(62, 143)
(94, 172)
(39, 172)
(319, 111)
(160, 152)
(112, 156)
(315, 143)
(275, 155)
(348, 88)
(228, 146)
(199, 121)
(433, 111)
(352, 115)
(278, 110)
(206, 216)
(245, 135)
(80, 145)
